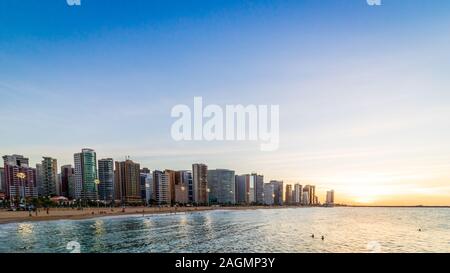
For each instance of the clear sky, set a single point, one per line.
(364, 91)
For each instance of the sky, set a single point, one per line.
(363, 91)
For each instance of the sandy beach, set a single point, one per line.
(87, 213)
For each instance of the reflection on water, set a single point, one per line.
(25, 229)
(263, 230)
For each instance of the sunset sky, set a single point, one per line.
(364, 91)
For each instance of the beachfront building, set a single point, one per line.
(278, 191)
(106, 179)
(85, 173)
(288, 195)
(146, 180)
(19, 178)
(330, 197)
(127, 182)
(305, 198)
(312, 199)
(47, 177)
(259, 188)
(297, 194)
(200, 183)
(67, 181)
(269, 194)
(161, 192)
(222, 184)
(183, 187)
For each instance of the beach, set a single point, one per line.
(88, 213)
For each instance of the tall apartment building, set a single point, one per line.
(330, 197)
(161, 192)
(127, 181)
(269, 194)
(200, 183)
(183, 187)
(106, 179)
(297, 194)
(67, 181)
(222, 184)
(47, 172)
(288, 195)
(146, 185)
(171, 176)
(19, 179)
(311, 194)
(85, 173)
(278, 191)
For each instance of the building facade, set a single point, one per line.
(127, 181)
(200, 183)
(297, 194)
(161, 192)
(106, 179)
(278, 191)
(47, 171)
(85, 173)
(67, 181)
(222, 185)
(183, 187)
(288, 194)
(330, 197)
(269, 194)
(20, 179)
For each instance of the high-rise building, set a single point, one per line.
(297, 194)
(20, 179)
(2, 180)
(305, 198)
(67, 181)
(85, 175)
(47, 172)
(200, 183)
(242, 189)
(278, 191)
(171, 176)
(259, 188)
(161, 192)
(311, 194)
(146, 185)
(106, 179)
(127, 181)
(330, 197)
(222, 184)
(269, 194)
(288, 195)
(183, 187)
(249, 188)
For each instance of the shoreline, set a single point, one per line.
(55, 214)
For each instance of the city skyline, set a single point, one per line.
(362, 90)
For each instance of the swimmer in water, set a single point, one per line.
(312, 235)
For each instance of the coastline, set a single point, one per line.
(7, 217)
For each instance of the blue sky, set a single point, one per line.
(363, 91)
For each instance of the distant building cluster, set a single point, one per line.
(127, 182)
